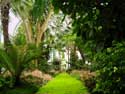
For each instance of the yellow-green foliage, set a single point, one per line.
(63, 84)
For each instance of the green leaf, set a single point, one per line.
(6, 60)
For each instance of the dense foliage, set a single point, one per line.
(94, 19)
(99, 23)
(111, 65)
(98, 34)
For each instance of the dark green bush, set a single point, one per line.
(6, 82)
(111, 70)
(44, 66)
(90, 83)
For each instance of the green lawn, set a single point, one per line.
(63, 84)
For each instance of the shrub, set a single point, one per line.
(87, 77)
(6, 82)
(111, 70)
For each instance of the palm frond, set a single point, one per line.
(22, 7)
(6, 61)
(12, 53)
(31, 54)
(40, 8)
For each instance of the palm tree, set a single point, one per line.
(35, 16)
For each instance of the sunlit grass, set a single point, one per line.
(63, 84)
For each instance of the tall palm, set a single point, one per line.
(35, 16)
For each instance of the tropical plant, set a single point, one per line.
(35, 16)
(16, 58)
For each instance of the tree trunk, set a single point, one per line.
(28, 28)
(41, 28)
(5, 23)
(17, 80)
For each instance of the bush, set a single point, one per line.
(44, 66)
(6, 82)
(87, 77)
(111, 70)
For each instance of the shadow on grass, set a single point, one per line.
(26, 89)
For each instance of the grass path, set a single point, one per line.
(63, 84)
